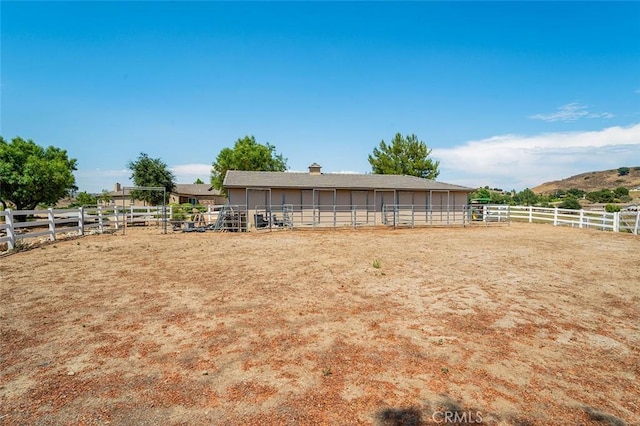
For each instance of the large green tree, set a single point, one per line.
(246, 154)
(405, 155)
(147, 171)
(31, 175)
(526, 197)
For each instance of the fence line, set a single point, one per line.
(52, 222)
(623, 221)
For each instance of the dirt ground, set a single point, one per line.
(512, 325)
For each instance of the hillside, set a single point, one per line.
(592, 181)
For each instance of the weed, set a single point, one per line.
(20, 245)
(326, 372)
(377, 264)
(445, 370)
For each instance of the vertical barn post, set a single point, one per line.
(11, 233)
(52, 224)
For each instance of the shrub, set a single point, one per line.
(601, 196)
(570, 203)
(610, 208)
(620, 191)
(575, 192)
(622, 171)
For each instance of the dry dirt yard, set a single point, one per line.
(518, 325)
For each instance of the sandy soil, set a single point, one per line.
(519, 325)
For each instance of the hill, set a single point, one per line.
(592, 181)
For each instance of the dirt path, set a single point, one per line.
(519, 325)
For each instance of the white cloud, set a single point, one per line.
(189, 173)
(513, 161)
(191, 169)
(571, 112)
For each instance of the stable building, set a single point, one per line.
(317, 198)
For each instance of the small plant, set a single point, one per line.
(440, 342)
(326, 372)
(377, 264)
(20, 245)
(445, 370)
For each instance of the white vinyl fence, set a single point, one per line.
(623, 221)
(49, 223)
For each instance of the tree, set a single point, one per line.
(246, 154)
(570, 202)
(601, 196)
(404, 156)
(84, 199)
(620, 191)
(575, 192)
(104, 196)
(31, 175)
(148, 171)
(198, 182)
(526, 197)
(623, 171)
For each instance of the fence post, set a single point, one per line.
(353, 217)
(52, 224)
(616, 222)
(131, 210)
(100, 223)
(635, 229)
(530, 214)
(555, 216)
(413, 216)
(117, 216)
(581, 219)
(81, 221)
(11, 233)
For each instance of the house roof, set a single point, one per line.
(185, 189)
(195, 189)
(242, 179)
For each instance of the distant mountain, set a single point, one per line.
(592, 181)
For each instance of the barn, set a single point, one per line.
(336, 199)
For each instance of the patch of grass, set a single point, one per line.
(20, 245)
(326, 371)
(377, 264)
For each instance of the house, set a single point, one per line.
(183, 193)
(317, 197)
(196, 193)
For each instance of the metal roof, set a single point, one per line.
(243, 179)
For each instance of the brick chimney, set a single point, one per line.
(314, 169)
(117, 187)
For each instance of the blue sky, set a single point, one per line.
(507, 94)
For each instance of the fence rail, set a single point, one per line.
(51, 222)
(623, 221)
